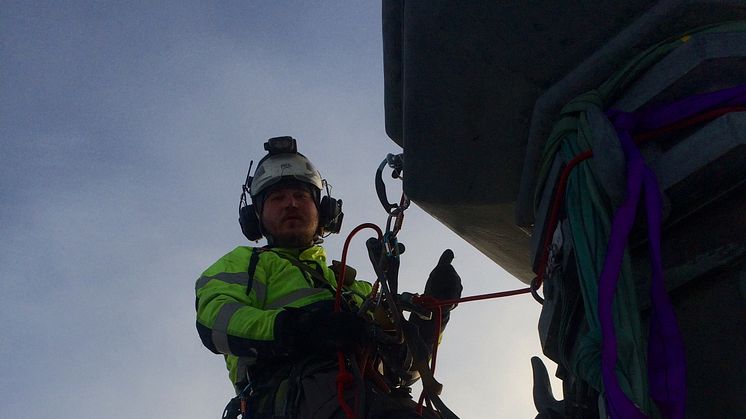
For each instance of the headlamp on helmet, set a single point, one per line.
(277, 145)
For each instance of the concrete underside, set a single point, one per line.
(472, 90)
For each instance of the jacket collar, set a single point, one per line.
(315, 252)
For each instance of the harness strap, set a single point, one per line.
(253, 261)
(316, 275)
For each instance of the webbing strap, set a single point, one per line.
(253, 261)
(318, 276)
(619, 404)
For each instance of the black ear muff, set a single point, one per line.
(330, 214)
(250, 225)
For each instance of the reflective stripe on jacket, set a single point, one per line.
(242, 326)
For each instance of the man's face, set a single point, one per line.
(290, 216)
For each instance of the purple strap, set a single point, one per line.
(660, 116)
(666, 361)
(619, 404)
(666, 364)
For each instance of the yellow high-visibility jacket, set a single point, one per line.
(242, 325)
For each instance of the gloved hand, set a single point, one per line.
(444, 283)
(321, 330)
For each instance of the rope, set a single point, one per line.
(344, 377)
(432, 303)
(344, 380)
(343, 270)
(659, 123)
(640, 138)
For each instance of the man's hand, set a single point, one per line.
(444, 283)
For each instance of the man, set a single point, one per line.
(270, 311)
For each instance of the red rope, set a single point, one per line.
(554, 215)
(431, 303)
(344, 380)
(344, 377)
(343, 271)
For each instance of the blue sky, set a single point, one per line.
(126, 131)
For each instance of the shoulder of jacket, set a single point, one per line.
(234, 261)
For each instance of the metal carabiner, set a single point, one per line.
(396, 162)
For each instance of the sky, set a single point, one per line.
(126, 129)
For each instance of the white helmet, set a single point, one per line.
(284, 166)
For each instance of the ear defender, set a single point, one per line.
(330, 218)
(330, 214)
(250, 225)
